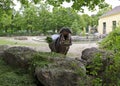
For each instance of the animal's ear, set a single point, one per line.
(70, 31)
(62, 29)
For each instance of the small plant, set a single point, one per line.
(94, 69)
(97, 82)
(78, 70)
(95, 66)
(48, 39)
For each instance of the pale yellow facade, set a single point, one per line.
(105, 25)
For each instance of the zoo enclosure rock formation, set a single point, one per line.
(18, 56)
(61, 72)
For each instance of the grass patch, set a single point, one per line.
(42, 59)
(14, 77)
(6, 42)
(19, 43)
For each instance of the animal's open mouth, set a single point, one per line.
(66, 37)
(66, 40)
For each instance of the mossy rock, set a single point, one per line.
(59, 71)
(10, 76)
(19, 56)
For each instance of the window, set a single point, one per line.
(113, 25)
(104, 27)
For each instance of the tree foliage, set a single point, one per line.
(64, 17)
(36, 17)
(78, 4)
(5, 13)
(95, 18)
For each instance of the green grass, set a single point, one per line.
(18, 42)
(42, 59)
(14, 77)
(6, 42)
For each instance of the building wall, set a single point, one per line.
(109, 24)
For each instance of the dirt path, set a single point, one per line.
(74, 51)
(77, 48)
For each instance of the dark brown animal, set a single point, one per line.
(62, 43)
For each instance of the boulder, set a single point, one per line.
(61, 72)
(96, 59)
(48, 69)
(89, 54)
(2, 49)
(18, 56)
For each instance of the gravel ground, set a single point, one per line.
(74, 51)
(77, 48)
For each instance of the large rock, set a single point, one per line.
(89, 54)
(2, 49)
(97, 60)
(18, 56)
(62, 72)
(54, 71)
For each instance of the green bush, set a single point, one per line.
(111, 75)
(106, 73)
(96, 65)
(112, 41)
(94, 69)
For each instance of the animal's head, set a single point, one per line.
(65, 31)
(65, 36)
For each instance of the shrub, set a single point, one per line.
(111, 75)
(95, 66)
(105, 75)
(112, 41)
